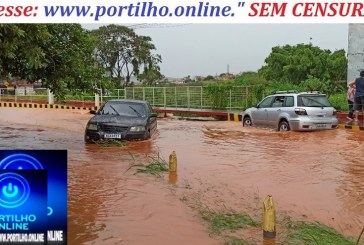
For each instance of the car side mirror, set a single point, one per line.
(153, 114)
(93, 112)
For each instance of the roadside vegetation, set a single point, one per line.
(241, 224)
(67, 57)
(155, 166)
(230, 226)
(302, 233)
(105, 59)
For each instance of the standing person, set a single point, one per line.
(359, 95)
(350, 98)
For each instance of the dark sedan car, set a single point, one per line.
(122, 120)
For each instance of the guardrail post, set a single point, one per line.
(97, 100)
(143, 93)
(153, 96)
(175, 97)
(50, 97)
(164, 94)
(100, 93)
(246, 96)
(201, 96)
(230, 100)
(188, 97)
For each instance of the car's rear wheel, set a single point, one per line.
(247, 122)
(283, 126)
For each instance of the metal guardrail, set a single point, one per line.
(189, 97)
(28, 94)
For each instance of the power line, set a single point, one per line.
(154, 25)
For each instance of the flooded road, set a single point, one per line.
(316, 176)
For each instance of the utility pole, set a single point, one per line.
(355, 50)
(228, 69)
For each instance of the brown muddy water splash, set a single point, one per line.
(315, 176)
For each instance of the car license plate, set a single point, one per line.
(112, 136)
(321, 125)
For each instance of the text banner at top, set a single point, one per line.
(186, 11)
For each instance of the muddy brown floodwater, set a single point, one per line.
(316, 176)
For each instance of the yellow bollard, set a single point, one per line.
(173, 168)
(172, 180)
(173, 162)
(269, 218)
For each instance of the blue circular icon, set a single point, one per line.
(50, 211)
(14, 190)
(20, 162)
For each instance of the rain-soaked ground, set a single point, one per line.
(316, 176)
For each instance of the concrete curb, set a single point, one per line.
(352, 127)
(235, 117)
(44, 106)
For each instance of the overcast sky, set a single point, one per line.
(210, 49)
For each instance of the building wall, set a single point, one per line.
(355, 50)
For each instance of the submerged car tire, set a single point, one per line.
(283, 126)
(88, 141)
(147, 135)
(247, 122)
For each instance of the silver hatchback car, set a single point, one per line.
(290, 110)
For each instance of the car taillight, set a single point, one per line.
(334, 113)
(300, 111)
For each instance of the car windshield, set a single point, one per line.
(313, 101)
(124, 109)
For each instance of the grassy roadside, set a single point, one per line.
(300, 232)
(230, 226)
(155, 166)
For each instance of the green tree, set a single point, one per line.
(295, 64)
(61, 55)
(21, 49)
(71, 59)
(150, 77)
(125, 54)
(209, 78)
(249, 78)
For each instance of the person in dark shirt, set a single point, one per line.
(359, 95)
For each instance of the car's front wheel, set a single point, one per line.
(283, 126)
(247, 122)
(147, 135)
(88, 141)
